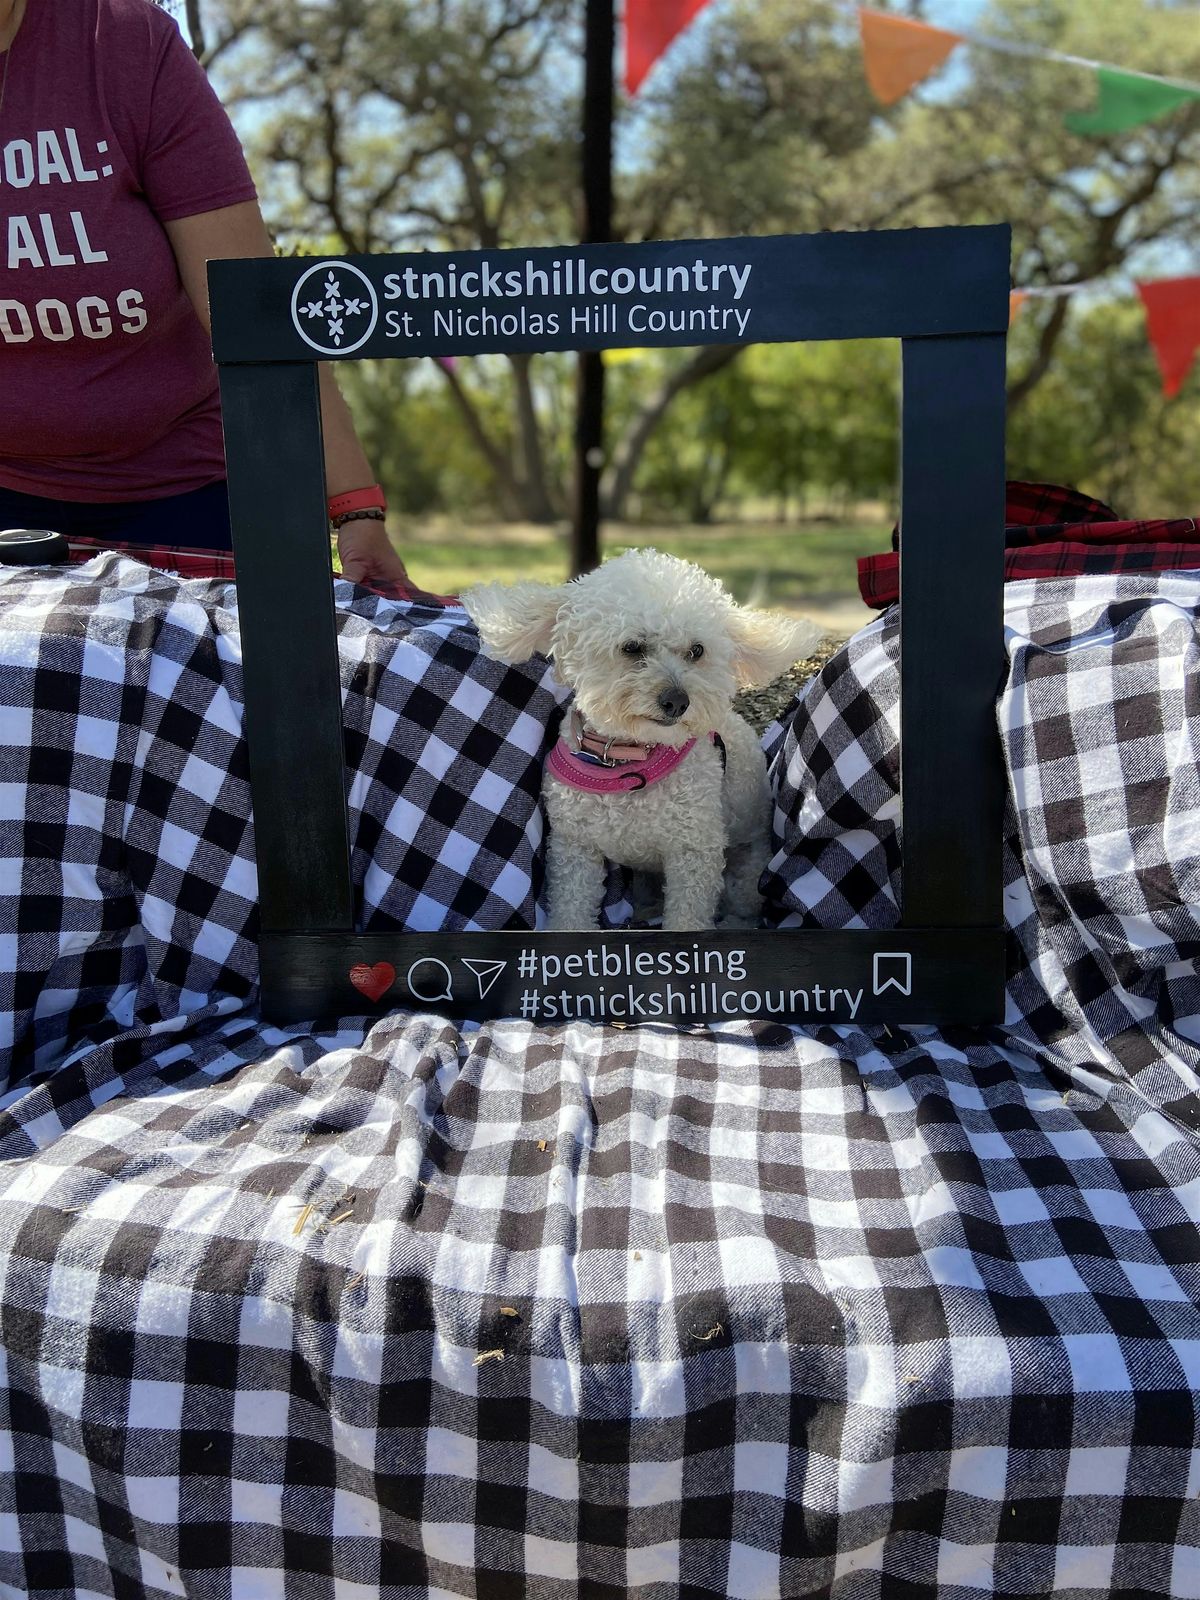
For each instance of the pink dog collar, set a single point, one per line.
(607, 751)
(566, 765)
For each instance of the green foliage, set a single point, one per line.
(1098, 419)
(399, 410)
(795, 425)
(411, 428)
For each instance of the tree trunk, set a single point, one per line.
(535, 495)
(196, 28)
(1021, 388)
(600, 37)
(508, 490)
(628, 454)
(709, 485)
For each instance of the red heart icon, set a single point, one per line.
(373, 981)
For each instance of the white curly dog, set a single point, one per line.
(653, 768)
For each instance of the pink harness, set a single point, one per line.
(622, 777)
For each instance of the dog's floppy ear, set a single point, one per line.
(766, 643)
(515, 620)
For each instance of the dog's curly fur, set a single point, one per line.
(702, 827)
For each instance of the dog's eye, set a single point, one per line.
(695, 652)
(633, 647)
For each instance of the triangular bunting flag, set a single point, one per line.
(1173, 320)
(650, 25)
(1125, 100)
(1016, 299)
(899, 53)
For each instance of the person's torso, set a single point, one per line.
(101, 353)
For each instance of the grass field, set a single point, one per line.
(807, 567)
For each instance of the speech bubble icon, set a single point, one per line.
(893, 970)
(441, 978)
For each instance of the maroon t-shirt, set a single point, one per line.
(108, 129)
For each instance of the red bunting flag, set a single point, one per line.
(650, 25)
(898, 53)
(1173, 320)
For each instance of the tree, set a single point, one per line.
(451, 124)
(1098, 419)
(771, 127)
(419, 124)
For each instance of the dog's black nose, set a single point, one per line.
(673, 703)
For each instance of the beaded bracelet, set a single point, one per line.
(367, 514)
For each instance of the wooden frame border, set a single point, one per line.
(943, 292)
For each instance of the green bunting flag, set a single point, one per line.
(1127, 99)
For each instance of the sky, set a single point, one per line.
(954, 13)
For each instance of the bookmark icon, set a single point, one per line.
(892, 970)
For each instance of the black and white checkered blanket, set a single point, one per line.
(402, 1309)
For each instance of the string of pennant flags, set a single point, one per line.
(899, 53)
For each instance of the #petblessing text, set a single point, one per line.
(569, 280)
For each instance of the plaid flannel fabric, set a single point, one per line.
(183, 560)
(397, 1309)
(1055, 532)
(1098, 722)
(1033, 504)
(129, 889)
(186, 561)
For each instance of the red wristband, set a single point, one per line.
(369, 499)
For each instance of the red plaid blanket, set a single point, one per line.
(192, 563)
(1055, 532)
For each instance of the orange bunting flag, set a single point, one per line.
(899, 53)
(650, 25)
(1173, 321)
(1016, 299)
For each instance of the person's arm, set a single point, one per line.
(234, 231)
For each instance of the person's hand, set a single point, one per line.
(368, 555)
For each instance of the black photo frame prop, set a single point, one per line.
(944, 292)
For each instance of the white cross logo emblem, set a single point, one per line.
(334, 307)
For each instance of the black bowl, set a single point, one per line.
(22, 547)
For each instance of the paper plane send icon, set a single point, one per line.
(486, 972)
